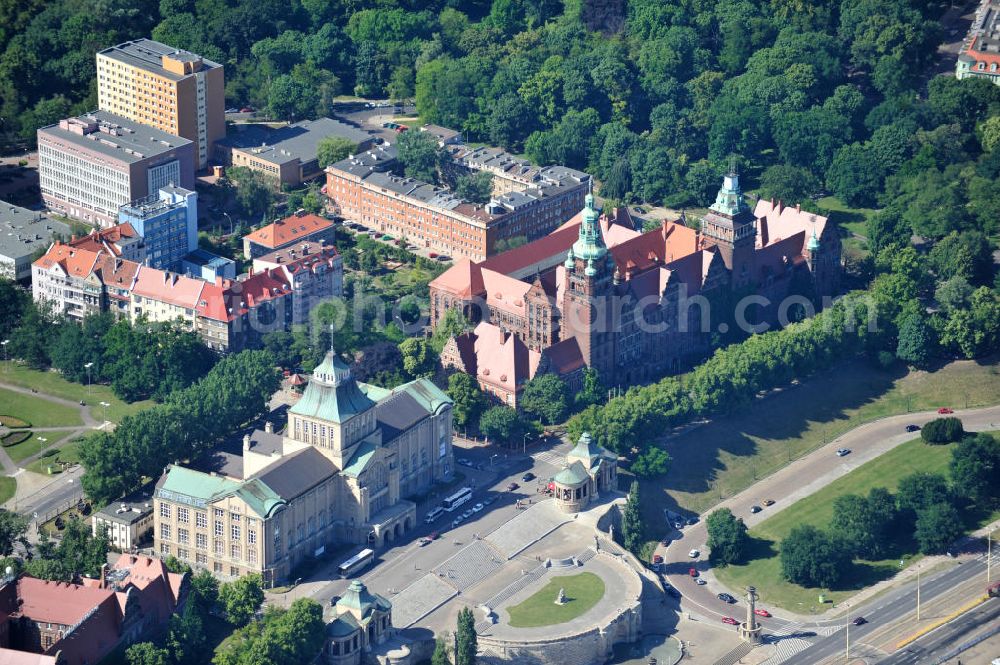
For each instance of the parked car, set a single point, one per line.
(761, 612)
(464, 462)
(528, 477)
(700, 582)
(443, 258)
(692, 520)
(232, 110)
(477, 508)
(424, 541)
(694, 554)
(843, 451)
(657, 559)
(693, 572)
(512, 486)
(678, 525)
(434, 535)
(458, 520)
(726, 598)
(768, 502)
(731, 621)
(246, 109)
(488, 500)
(913, 428)
(945, 411)
(467, 514)
(755, 509)
(859, 621)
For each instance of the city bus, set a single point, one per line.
(433, 514)
(463, 495)
(357, 563)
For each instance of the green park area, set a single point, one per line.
(35, 411)
(582, 591)
(51, 383)
(34, 444)
(852, 219)
(727, 455)
(763, 570)
(55, 459)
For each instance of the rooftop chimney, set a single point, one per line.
(269, 427)
(246, 442)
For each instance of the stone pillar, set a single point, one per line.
(749, 629)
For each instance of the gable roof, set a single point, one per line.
(288, 230)
(73, 261)
(58, 602)
(296, 474)
(168, 287)
(464, 279)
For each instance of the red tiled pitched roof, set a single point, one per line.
(58, 602)
(463, 280)
(168, 287)
(73, 261)
(288, 230)
(105, 240)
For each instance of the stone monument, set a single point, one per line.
(750, 629)
(561, 598)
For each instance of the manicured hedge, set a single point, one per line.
(943, 430)
(11, 421)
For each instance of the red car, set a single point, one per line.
(693, 572)
(761, 613)
(731, 621)
(945, 411)
(657, 558)
(434, 535)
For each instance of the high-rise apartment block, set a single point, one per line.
(173, 90)
(91, 165)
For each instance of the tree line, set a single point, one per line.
(188, 423)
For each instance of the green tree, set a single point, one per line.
(442, 655)
(204, 590)
(186, 636)
(652, 462)
(919, 490)
(419, 358)
(727, 537)
(420, 155)
(967, 254)
(943, 430)
(13, 528)
(975, 330)
(14, 301)
(241, 598)
(855, 175)
(147, 653)
(592, 390)
(886, 228)
(547, 398)
(633, 531)
(975, 469)
(788, 183)
(470, 402)
(864, 524)
(501, 424)
(332, 149)
(937, 527)
(812, 558)
(29, 341)
(953, 293)
(916, 341)
(466, 641)
(475, 187)
(453, 323)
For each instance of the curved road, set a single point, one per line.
(801, 478)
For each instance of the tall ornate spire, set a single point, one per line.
(590, 245)
(729, 201)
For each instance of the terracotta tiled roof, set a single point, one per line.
(502, 359)
(981, 56)
(73, 261)
(288, 230)
(117, 272)
(228, 299)
(777, 221)
(13, 657)
(168, 287)
(106, 240)
(565, 356)
(504, 292)
(58, 602)
(464, 280)
(293, 259)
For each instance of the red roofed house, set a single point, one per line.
(599, 293)
(234, 314)
(314, 271)
(300, 227)
(66, 278)
(980, 53)
(57, 623)
(121, 241)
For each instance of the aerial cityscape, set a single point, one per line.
(541, 332)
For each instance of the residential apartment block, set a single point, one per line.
(128, 522)
(287, 154)
(980, 52)
(91, 165)
(363, 190)
(298, 228)
(22, 233)
(338, 474)
(173, 90)
(315, 273)
(167, 220)
(600, 293)
(58, 623)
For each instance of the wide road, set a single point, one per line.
(799, 479)
(900, 605)
(943, 641)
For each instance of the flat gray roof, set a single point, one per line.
(114, 136)
(147, 54)
(298, 141)
(24, 231)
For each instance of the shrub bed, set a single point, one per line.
(942, 430)
(15, 438)
(13, 423)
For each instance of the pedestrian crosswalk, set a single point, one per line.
(550, 457)
(786, 642)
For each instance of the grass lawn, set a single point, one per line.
(731, 453)
(53, 384)
(38, 412)
(8, 486)
(68, 454)
(32, 446)
(583, 591)
(852, 219)
(764, 570)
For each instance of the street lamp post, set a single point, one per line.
(105, 405)
(88, 366)
(41, 444)
(524, 441)
(4, 345)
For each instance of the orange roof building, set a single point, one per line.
(301, 227)
(598, 292)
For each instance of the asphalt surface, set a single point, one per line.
(801, 478)
(942, 642)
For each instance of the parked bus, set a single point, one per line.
(357, 563)
(463, 495)
(433, 514)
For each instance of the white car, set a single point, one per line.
(467, 514)
(679, 526)
(458, 520)
(694, 554)
(478, 507)
(843, 451)
(700, 582)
